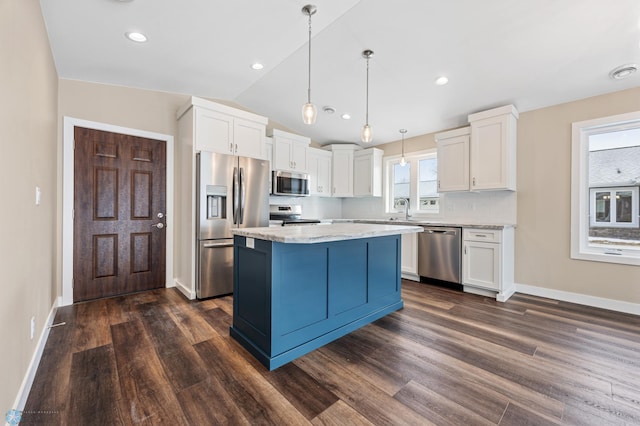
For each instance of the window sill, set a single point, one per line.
(623, 259)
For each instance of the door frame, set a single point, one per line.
(68, 192)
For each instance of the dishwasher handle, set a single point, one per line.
(441, 231)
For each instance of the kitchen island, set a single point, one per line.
(298, 288)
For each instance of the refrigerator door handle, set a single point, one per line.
(236, 194)
(242, 196)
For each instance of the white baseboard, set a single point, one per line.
(188, 293)
(27, 381)
(411, 276)
(581, 299)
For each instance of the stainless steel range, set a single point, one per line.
(288, 215)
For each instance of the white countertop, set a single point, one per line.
(324, 233)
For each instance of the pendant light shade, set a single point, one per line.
(367, 134)
(402, 160)
(309, 110)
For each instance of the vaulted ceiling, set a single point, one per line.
(495, 52)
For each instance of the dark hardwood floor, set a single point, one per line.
(447, 358)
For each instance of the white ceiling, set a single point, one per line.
(495, 52)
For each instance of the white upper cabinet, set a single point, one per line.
(289, 151)
(214, 131)
(249, 138)
(453, 160)
(367, 173)
(493, 149)
(226, 130)
(342, 169)
(319, 169)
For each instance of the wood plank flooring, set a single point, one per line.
(447, 358)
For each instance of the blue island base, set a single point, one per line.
(290, 299)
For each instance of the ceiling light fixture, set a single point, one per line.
(136, 36)
(442, 80)
(623, 71)
(329, 109)
(257, 66)
(367, 136)
(346, 116)
(402, 160)
(309, 110)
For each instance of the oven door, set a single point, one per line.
(290, 184)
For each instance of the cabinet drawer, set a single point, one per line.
(486, 235)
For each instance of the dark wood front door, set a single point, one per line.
(119, 214)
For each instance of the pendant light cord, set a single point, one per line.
(367, 96)
(309, 86)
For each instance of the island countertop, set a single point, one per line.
(324, 233)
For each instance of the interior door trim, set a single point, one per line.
(68, 191)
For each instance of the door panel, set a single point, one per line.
(120, 184)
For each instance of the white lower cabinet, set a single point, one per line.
(409, 261)
(487, 262)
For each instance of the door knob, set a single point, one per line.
(158, 225)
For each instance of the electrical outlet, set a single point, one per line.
(38, 196)
(33, 327)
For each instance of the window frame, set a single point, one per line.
(581, 248)
(413, 159)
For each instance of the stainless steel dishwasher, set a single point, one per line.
(439, 251)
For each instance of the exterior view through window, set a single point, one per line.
(614, 178)
(605, 189)
(414, 183)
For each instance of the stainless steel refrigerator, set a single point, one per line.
(232, 192)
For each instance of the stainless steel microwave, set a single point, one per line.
(290, 183)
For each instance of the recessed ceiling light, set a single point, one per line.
(623, 71)
(257, 66)
(135, 36)
(329, 109)
(442, 80)
(346, 116)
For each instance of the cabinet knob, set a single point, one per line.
(474, 181)
(230, 146)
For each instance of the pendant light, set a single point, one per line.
(402, 160)
(367, 136)
(309, 110)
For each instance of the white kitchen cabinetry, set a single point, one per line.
(319, 168)
(493, 149)
(409, 261)
(289, 151)
(342, 169)
(453, 160)
(226, 130)
(487, 262)
(367, 173)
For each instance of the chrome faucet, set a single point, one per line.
(405, 202)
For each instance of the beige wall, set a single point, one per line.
(28, 102)
(543, 236)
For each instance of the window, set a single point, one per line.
(605, 182)
(614, 207)
(415, 183)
